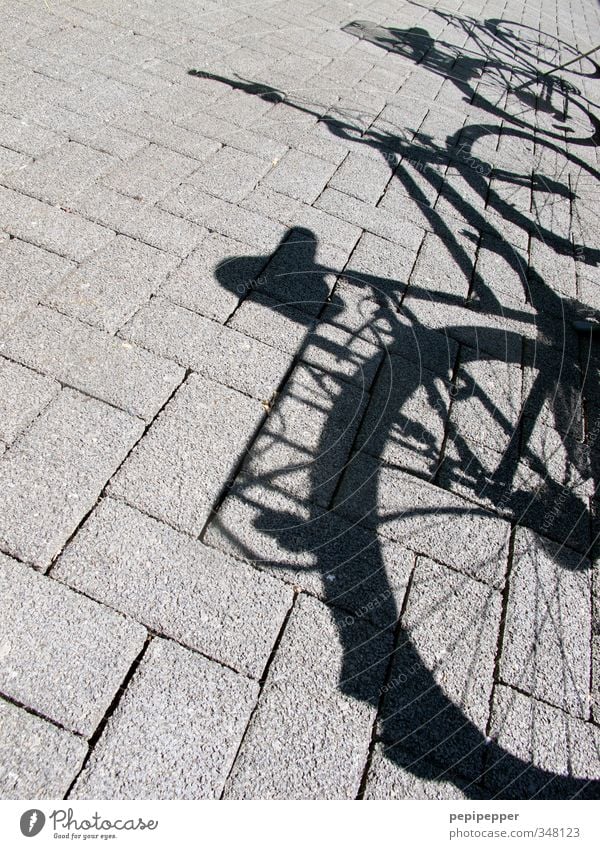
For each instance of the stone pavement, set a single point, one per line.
(298, 437)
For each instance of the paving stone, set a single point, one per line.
(240, 138)
(546, 650)
(48, 227)
(26, 136)
(175, 732)
(361, 177)
(395, 774)
(309, 735)
(487, 401)
(23, 395)
(211, 349)
(277, 324)
(180, 467)
(415, 513)
(214, 277)
(11, 161)
(92, 361)
(370, 218)
(444, 266)
(223, 217)
(551, 741)
(300, 175)
(150, 174)
(111, 286)
(27, 272)
(176, 586)
(377, 268)
(140, 220)
(437, 697)
(39, 760)
(166, 134)
(229, 174)
(60, 174)
(326, 228)
(406, 417)
(477, 329)
(46, 628)
(53, 474)
(85, 130)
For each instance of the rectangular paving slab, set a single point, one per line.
(23, 395)
(185, 460)
(92, 361)
(175, 732)
(176, 586)
(546, 647)
(51, 477)
(63, 655)
(39, 760)
(309, 736)
(209, 348)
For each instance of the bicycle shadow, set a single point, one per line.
(323, 510)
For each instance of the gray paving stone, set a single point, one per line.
(277, 324)
(180, 467)
(64, 656)
(27, 272)
(370, 218)
(552, 389)
(39, 760)
(377, 268)
(211, 349)
(53, 474)
(229, 174)
(11, 161)
(214, 277)
(437, 697)
(111, 286)
(94, 362)
(140, 220)
(27, 136)
(545, 737)
(300, 176)
(48, 227)
(176, 586)
(175, 732)
(487, 401)
(416, 513)
(391, 776)
(546, 649)
(222, 217)
(309, 735)
(23, 395)
(406, 417)
(60, 174)
(444, 266)
(362, 177)
(150, 174)
(293, 213)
